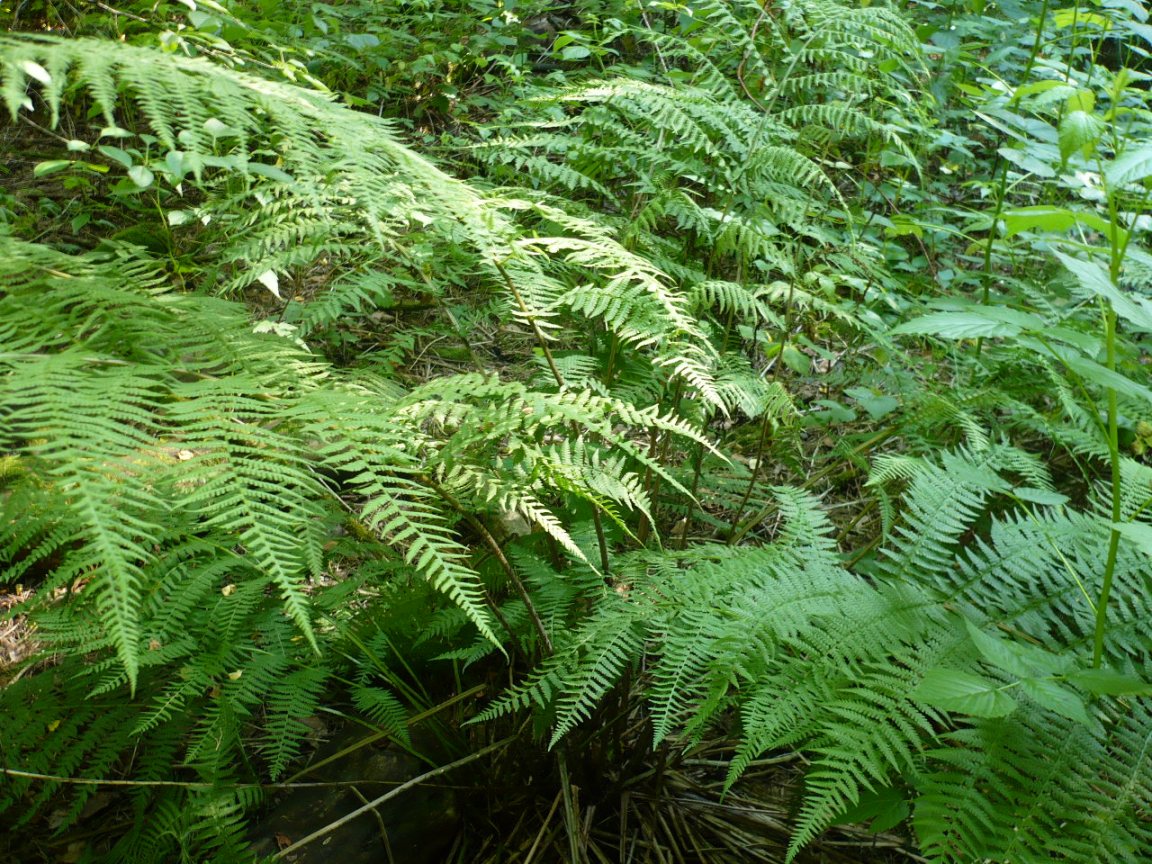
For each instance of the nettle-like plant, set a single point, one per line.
(1086, 329)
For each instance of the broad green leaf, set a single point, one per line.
(1054, 219)
(1015, 658)
(902, 226)
(1079, 132)
(1105, 377)
(141, 176)
(1029, 161)
(1034, 87)
(1094, 279)
(1109, 682)
(117, 155)
(885, 808)
(1131, 167)
(174, 163)
(1054, 697)
(43, 169)
(954, 690)
(361, 41)
(1076, 16)
(985, 321)
(1040, 496)
(1139, 533)
(1082, 100)
(218, 129)
(876, 404)
(270, 171)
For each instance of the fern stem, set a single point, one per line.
(1118, 249)
(601, 541)
(1114, 458)
(540, 340)
(571, 817)
(734, 534)
(505, 564)
(661, 453)
(597, 522)
(543, 828)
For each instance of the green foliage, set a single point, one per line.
(904, 677)
(766, 371)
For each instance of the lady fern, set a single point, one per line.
(851, 670)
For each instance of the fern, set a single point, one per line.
(822, 660)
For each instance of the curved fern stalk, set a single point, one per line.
(635, 299)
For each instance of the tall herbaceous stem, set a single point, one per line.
(1000, 183)
(1118, 239)
(1117, 246)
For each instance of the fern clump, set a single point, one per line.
(898, 680)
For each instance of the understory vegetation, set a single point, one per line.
(668, 413)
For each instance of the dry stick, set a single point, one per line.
(97, 781)
(544, 827)
(376, 736)
(376, 802)
(571, 817)
(379, 824)
(531, 320)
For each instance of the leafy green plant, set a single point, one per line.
(293, 421)
(946, 672)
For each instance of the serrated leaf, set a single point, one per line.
(1094, 279)
(987, 322)
(1012, 657)
(1109, 682)
(1043, 217)
(1105, 377)
(1131, 167)
(954, 690)
(1028, 161)
(1079, 131)
(1057, 698)
(1139, 533)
